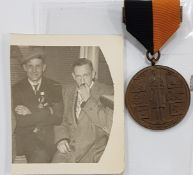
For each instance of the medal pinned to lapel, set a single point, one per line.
(157, 97)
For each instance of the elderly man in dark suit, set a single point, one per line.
(38, 107)
(84, 132)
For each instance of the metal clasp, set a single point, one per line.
(153, 58)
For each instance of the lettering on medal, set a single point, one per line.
(158, 97)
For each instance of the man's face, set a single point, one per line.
(83, 75)
(34, 69)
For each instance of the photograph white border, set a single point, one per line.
(112, 161)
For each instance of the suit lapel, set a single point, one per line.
(42, 86)
(29, 96)
(95, 90)
(93, 93)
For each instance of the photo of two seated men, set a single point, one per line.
(62, 104)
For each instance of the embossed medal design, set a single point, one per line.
(157, 97)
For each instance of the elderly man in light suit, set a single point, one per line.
(86, 125)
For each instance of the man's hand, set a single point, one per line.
(51, 110)
(22, 110)
(63, 147)
(84, 92)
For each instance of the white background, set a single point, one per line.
(148, 152)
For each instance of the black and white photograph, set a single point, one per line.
(62, 104)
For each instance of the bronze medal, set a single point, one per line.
(157, 97)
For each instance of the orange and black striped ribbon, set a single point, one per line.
(152, 22)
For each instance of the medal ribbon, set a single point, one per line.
(152, 22)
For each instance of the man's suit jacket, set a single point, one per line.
(41, 119)
(89, 133)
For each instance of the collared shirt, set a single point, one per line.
(80, 101)
(35, 86)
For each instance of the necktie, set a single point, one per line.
(35, 88)
(78, 105)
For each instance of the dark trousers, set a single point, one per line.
(35, 150)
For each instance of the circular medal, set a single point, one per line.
(157, 97)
